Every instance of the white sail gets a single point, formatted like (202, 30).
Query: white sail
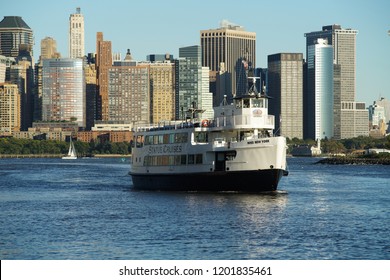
(72, 151)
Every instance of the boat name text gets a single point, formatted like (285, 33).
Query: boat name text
(165, 149)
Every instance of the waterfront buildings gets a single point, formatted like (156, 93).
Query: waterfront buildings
(229, 45)
(10, 119)
(318, 99)
(350, 120)
(285, 86)
(63, 90)
(379, 114)
(175, 86)
(385, 103)
(14, 32)
(192, 88)
(76, 35)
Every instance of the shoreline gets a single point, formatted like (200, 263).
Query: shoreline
(61, 155)
(356, 161)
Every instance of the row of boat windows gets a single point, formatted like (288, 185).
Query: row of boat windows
(171, 138)
(173, 160)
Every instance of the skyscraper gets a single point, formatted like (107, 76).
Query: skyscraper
(191, 93)
(22, 74)
(103, 63)
(349, 120)
(14, 32)
(162, 91)
(76, 35)
(318, 100)
(63, 90)
(128, 93)
(48, 48)
(91, 93)
(228, 44)
(9, 109)
(285, 85)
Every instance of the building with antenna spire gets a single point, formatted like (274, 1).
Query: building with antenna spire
(76, 35)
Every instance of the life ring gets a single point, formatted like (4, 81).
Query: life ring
(205, 123)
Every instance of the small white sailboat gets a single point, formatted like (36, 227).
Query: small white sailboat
(72, 151)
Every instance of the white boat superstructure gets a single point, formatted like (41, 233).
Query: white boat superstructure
(235, 151)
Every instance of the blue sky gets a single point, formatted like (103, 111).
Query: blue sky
(156, 27)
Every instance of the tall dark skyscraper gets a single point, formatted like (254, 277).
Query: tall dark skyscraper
(285, 85)
(14, 32)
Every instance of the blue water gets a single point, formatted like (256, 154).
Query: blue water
(85, 209)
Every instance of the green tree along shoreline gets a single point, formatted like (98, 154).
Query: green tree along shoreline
(14, 146)
(344, 146)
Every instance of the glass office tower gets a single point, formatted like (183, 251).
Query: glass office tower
(350, 117)
(63, 90)
(320, 90)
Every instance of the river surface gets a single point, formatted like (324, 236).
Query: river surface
(86, 209)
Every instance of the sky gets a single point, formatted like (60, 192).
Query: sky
(159, 27)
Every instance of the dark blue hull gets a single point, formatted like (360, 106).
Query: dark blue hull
(238, 181)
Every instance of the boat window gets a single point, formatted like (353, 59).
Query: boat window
(177, 160)
(161, 139)
(246, 103)
(165, 160)
(238, 103)
(154, 160)
(191, 159)
(195, 159)
(146, 161)
(140, 141)
(181, 137)
(171, 138)
(155, 139)
(257, 103)
(149, 140)
(198, 159)
(171, 160)
(201, 137)
(166, 138)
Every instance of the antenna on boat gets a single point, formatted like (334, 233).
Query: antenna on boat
(224, 101)
(193, 110)
(253, 89)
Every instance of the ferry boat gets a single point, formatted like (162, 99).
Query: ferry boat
(235, 151)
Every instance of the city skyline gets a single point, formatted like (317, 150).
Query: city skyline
(163, 27)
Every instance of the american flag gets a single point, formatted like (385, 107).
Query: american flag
(245, 63)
